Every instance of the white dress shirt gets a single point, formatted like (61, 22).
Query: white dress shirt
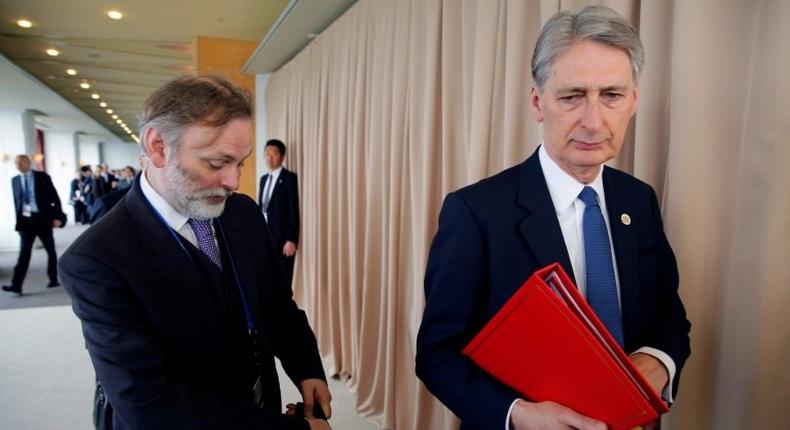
(564, 191)
(30, 189)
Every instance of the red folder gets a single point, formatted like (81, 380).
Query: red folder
(548, 344)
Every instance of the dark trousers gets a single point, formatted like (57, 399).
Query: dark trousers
(80, 213)
(288, 265)
(30, 228)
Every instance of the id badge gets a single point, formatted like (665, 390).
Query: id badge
(26, 211)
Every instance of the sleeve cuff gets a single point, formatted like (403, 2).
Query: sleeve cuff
(509, 411)
(667, 361)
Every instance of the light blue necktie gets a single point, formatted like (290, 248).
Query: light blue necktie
(205, 237)
(601, 287)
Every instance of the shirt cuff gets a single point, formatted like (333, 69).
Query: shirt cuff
(667, 361)
(509, 411)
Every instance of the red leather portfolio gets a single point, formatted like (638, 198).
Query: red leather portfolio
(548, 344)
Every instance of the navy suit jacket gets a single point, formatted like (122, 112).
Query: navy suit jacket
(164, 348)
(492, 236)
(47, 199)
(283, 213)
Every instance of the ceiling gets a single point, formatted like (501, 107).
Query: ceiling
(124, 60)
(300, 22)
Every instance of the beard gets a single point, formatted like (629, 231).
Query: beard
(189, 198)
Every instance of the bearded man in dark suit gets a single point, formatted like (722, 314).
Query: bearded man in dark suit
(183, 320)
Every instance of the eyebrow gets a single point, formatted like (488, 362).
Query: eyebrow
(566, 90)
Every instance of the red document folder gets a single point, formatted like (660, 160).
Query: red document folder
(548, 344)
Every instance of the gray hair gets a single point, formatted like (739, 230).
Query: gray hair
(597, 23)
(207, 100)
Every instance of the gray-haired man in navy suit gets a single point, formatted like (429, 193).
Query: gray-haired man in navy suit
(560, 205)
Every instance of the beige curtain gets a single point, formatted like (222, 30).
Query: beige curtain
(401, 101)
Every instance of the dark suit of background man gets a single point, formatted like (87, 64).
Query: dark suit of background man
(184, 319)
(553, 208)
(38, 210)
(278, 198)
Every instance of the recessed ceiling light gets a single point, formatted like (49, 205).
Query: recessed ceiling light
(53, 52)
(114, 116)
(114, 14)
(24, 23)
(95, 96)
(71, 72)
(109, 111)
(85, 85)
(103, 104)
(118, 121)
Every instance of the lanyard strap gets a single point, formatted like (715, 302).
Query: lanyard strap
(247, 311)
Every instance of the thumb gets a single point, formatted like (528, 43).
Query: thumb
(308, 396)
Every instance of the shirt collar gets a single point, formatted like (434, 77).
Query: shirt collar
(563, 188)
(276, 172)
(172, 217)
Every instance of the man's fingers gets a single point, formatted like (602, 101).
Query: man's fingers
(326, 407)
(582, 422)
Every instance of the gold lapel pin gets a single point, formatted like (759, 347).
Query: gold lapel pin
(626, 219)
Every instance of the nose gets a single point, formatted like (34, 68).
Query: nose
(591, 116)
(229, 178)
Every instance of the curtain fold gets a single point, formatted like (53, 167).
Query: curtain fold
(401, 101)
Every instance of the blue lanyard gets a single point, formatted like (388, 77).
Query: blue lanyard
(247, 312)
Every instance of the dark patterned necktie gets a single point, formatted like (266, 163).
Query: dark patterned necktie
(205, 237)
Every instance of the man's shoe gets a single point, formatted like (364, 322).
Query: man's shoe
(53, 284)
(12, 289)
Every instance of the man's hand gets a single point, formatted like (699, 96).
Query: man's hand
(289, 249)
(56, 223)
(315, 390)
(550, 416)
(652, 369)
(318, 424)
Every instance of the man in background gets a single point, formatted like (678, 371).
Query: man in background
(560, 205)
(278, 198)
(38, 211)
(184, 320)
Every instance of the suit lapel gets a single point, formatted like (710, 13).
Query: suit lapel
(625, 243)
(540, 227)
(280, 182)
(168, 260)
(236, 240)
(17, 186)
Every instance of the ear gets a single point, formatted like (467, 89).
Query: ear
(536, 104)
(636, 101)
(155, 147)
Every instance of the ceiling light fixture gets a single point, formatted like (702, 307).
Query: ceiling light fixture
(85, 85)
(103, 104)
(53, 52)
(24, 23)
(114, 14)
(95, 96)
(118, 121)
(113, 116)
(71, 72)
(109, 111)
